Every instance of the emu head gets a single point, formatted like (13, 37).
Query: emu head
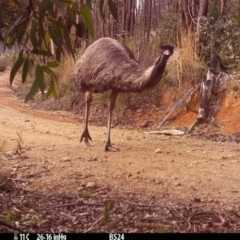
(167, 50)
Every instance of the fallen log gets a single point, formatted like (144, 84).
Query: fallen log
(178, 104)
(210, 86)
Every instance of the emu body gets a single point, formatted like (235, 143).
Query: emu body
(110, 65)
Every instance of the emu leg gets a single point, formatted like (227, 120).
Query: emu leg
(108, 146)
(85, 133)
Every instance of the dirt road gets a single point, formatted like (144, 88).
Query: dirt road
(184, 167)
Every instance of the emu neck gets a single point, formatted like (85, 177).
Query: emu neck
(157, 71)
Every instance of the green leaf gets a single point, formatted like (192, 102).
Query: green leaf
(74, 7)
(44, 5)
(33, 90)
(87, 16)
(15, 24)
(16, 66)
(66, 36)
(21, 28)
(40, 77)
(60, 5)
(47, 38)
(53, 64)
(71, 20)
(50, 72)
(113, 9)
(53, 35)
(52, 90)
(51, 11)
(33, 35)
(27, 66)
(59, 38)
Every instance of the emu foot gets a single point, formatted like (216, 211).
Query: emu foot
(86, 136)
(109, 148)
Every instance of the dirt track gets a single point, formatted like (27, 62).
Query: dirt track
(184, 168)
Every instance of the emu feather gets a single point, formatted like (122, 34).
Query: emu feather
(110, 65)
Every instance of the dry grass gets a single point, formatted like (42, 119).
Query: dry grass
(233, 84)
(185, 67)
(64, 75)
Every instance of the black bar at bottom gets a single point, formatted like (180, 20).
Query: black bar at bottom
(110, 236)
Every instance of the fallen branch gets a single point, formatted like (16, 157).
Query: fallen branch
(167, 132)
(177, 105)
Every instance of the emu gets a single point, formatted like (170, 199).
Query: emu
(110, 65)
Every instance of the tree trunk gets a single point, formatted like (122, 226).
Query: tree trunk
(202, 17)
(133, 10)
(124, 3)
(149, 19)
(202, 13)
(186, 19)
(207, 86)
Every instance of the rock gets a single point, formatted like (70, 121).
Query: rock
(146, 124)
(158, 181)
(91, 185)
(49, 149)
(80, 188)
(66, 159)
(229, 209)
(177, 184)
(94, 159)
(158, 150)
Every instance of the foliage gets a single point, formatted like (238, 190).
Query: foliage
(34, 25)
(222, 33)
(225, 34)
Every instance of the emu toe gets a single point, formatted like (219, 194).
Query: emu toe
(109, 148)
(86, 136)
